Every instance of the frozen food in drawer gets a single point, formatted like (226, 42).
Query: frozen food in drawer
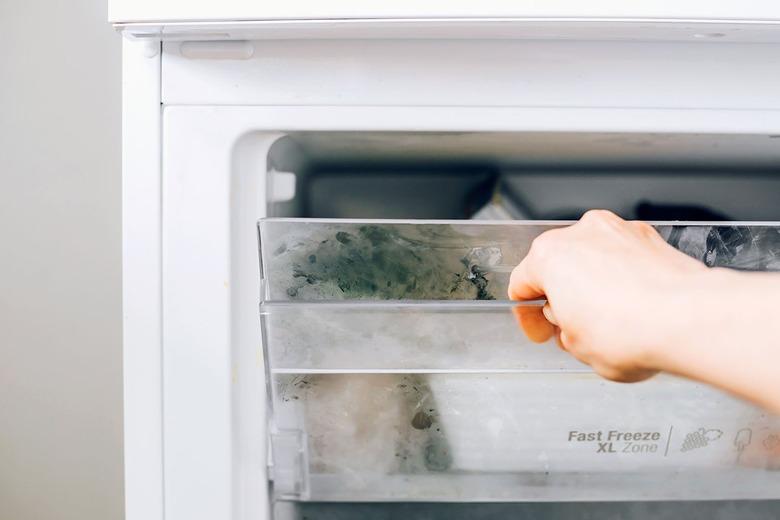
(397, 371)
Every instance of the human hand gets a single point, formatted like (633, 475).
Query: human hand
(609, 285)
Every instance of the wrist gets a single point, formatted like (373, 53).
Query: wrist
(689, 315)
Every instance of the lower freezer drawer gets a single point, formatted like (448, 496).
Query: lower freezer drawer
(377, 398)
(500, 437)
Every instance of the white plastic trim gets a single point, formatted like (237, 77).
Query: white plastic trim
(142, 282)
(202, 10)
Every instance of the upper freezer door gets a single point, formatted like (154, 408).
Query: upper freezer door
(750, 20)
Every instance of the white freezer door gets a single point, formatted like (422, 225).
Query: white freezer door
(128, 11)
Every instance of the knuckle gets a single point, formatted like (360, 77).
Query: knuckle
(568, 339)
(598, 216)
(614, 371)
(541, 246)
(617, 367)
(615, 375)
(645, 229)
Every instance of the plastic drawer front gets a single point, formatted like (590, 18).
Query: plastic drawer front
(397, 371)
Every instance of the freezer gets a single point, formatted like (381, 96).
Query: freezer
(260, 386)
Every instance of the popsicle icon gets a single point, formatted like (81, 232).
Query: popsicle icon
(743, 438)
(741, 441)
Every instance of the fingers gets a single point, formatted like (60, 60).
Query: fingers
(548, 313)
(533, 322)
(570, 267)
(623, 375)
(522, 285)
(559, 339)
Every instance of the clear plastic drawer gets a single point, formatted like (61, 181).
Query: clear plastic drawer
(397, 371)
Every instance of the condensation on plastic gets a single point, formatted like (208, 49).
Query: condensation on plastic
(405, 336)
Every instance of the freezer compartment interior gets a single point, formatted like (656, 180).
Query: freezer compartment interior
(548, 175)
(421, 386)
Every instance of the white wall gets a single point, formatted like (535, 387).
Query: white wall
(60, 262)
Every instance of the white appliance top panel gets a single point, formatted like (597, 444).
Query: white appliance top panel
(234, 10)
(585, 29)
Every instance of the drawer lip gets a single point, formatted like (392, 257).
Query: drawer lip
(465, 222)
(421, 305)
(444, 254)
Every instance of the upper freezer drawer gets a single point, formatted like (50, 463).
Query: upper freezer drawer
(397, 371)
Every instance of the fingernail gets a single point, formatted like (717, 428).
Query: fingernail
(548, 314)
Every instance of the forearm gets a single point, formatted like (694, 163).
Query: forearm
(725, 331)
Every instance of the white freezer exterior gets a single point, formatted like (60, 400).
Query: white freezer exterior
(177, 11)
(200, 117)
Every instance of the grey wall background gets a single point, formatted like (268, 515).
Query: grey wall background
(60, 262)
